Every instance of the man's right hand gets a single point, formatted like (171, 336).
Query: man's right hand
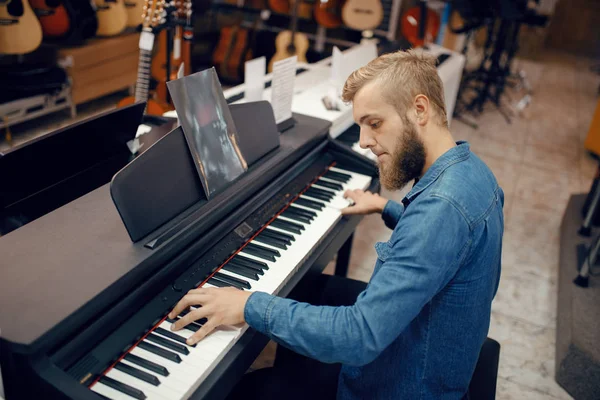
(364, 202)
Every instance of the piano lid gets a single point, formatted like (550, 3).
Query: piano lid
(62, 261)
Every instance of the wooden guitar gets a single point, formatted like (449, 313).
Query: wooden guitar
(304, 9)
(411, 25)
(112, 17)
(151, 18)
(328, 13)
(20, 30)
(135, 10)
(290, 43)
(362, 15)
(53, 17)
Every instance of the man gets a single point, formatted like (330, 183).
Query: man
(415, 331)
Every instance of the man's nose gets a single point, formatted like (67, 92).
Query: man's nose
(366, 140)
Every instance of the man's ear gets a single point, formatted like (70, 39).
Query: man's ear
(422, 110)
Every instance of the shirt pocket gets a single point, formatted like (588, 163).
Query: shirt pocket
(383, 250)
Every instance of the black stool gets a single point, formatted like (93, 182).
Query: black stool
(485, 376)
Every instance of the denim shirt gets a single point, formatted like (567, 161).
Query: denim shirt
(416, 331)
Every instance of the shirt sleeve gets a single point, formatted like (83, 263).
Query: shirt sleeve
(391, 213)
(424, 253)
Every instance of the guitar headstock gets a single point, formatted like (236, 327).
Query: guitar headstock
(152, 14)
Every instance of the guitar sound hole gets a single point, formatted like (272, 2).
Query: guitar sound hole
(15, 8)
(52, 3)
(363, 11)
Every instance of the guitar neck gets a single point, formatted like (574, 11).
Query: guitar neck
(142, 85)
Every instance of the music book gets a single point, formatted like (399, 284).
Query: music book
(209, 129)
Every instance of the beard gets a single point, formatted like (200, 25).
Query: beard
(407, 162)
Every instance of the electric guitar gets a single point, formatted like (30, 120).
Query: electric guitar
(20, 30)
(135, 10)
(53, 17)
(152, 18)
(112, 17)
(362, 15)
(290, 43)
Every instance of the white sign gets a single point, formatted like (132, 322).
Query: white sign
(284, 75)
(254, 79)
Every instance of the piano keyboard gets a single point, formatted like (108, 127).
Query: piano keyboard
(351, 137)
(161, 365)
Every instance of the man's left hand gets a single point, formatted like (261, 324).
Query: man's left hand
(220, 306)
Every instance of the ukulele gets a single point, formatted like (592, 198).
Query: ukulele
(328, 13)
(290, 43)
(112, 17)
(151, 19)
(20, 30)
(135, 10)
(362, 15)
(53, 17)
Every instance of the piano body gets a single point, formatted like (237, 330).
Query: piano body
(84, 307)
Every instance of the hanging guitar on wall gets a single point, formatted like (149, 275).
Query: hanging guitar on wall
(112, 17)
(53, 17)
(290, 43)
(152, 18)
(20, 30)
(362, 15)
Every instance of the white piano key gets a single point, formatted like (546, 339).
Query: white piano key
(109, 392)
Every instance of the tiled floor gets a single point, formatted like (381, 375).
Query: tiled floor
(539, 161)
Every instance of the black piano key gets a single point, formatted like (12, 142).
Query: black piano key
(278, 235)
(123, 388)
(218, 283)
(241, 263)
(169, 344)
(172, 335)
(242, 271)
(288, 226)
(338, 176)
(324, 192)
(201, 321)
(261, 252)
(330, 185)
(296, 217)
(193, 326)
(318, 196)
(315, 205)
(138, 373)
(270, 241)
(303, 211)
(250, 262)
(239, 283)
(149, 365)
(159, 351)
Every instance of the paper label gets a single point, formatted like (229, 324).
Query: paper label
(284, 75)
(146, 40)
(336, 69)
(254, 79)
(177, 48)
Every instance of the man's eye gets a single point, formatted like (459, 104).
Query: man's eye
(376, 125)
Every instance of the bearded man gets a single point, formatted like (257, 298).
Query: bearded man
(416, 329)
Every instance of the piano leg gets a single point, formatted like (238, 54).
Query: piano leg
(343, 257)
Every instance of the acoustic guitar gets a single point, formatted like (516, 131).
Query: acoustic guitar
(135, 10)
(53, 17)
(304, 9)
(328, 13)
(362, 15)
(412, 25)
(152, 18)
(112, 17)
(290, 43)
(20, 30)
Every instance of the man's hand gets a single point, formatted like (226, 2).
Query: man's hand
(220, 306)
(364, 202)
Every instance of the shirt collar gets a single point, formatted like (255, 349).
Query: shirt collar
(454, 155)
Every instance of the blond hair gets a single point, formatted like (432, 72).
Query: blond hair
(403, 75)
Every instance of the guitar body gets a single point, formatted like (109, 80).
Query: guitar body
(362, 15)
(411, 22)
(53, 17)
(328, 13)
(134, 10)
(153, 107)
(283, 51)
(112, 17)
(20, 30)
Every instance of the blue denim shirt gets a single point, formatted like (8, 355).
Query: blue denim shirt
(417, 329)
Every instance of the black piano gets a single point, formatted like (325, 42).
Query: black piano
(84, 306)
